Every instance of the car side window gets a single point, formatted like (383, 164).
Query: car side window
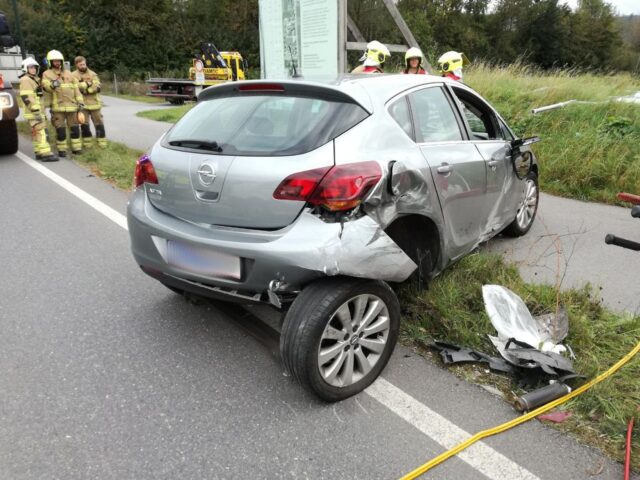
(506, 134)
(399, 111)
(435, 119)
(481, 120)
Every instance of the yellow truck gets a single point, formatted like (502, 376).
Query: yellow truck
(209, 67)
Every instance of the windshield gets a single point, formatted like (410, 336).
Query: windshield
(261, 125)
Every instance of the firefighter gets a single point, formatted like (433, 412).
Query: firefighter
(413, 61)
(89, 85)
(450, 65)
(66, 102)
(30, 93)
(373, 59)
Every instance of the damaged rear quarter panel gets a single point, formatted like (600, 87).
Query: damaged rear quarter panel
(358, 248)
(409, 190)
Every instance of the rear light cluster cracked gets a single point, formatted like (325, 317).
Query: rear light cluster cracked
(337, 188)
(144, 172)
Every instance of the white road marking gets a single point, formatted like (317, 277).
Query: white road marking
(90, 200)
(479, 456)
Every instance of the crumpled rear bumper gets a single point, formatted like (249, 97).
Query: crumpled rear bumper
(307, 249)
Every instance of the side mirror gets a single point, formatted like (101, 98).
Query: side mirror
(522, 161)
(524, 142)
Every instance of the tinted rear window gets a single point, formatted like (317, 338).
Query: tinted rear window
(265, 125)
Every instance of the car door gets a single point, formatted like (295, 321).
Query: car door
(489, 137)
(457, 168)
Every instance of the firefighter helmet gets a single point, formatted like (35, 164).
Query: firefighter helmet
(452, 61)
(413, 52)
(29, 62)
(54, 55)
(376, 53)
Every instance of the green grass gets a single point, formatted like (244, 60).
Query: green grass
(171, 114)
(452, 310)
(588, 151)
(116, 163)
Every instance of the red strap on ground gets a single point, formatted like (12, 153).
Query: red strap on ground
(629, 197)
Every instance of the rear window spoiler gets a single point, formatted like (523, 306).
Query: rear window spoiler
(286, 88)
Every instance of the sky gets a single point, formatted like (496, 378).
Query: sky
(624, 7)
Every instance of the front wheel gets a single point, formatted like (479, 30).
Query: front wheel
(527, 207)
(338, 335)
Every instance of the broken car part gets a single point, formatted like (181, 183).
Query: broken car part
(454, 354)
(542, 396)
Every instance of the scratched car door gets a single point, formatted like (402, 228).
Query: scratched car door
(457, 168)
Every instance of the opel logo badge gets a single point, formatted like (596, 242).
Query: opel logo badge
(206, 174)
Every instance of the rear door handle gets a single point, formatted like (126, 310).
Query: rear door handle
(444, 169)
(493, 164)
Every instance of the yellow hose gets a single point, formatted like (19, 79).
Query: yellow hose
(517, 421)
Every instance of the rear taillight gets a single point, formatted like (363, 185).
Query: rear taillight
(1, 81)
(338, 188)
(301, 185)
(144, 172)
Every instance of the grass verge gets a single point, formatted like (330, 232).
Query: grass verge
(116, 163)
(171, 114)
(588, 150)
(453, 310)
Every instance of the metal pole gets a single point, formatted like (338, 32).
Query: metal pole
(16, 15)
(115, 84)
(342, 36)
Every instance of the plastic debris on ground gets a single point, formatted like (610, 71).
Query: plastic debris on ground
(531, 347)
(524, 341)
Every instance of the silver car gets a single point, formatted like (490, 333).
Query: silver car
(313, 197)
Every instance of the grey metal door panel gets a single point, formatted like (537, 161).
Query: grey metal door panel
(500, 184)
(234, 191)
(460, 177)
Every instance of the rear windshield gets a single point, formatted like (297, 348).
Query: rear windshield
(261, 125)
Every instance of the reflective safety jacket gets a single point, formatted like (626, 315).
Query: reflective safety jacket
(30, 93)
(66, 97)
(453, 76)
(89, 86)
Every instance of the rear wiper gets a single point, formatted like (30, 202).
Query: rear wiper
(197, 144)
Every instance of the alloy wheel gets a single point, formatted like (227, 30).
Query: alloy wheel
(528, 205)
(353, 340)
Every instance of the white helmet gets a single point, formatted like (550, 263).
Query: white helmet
(29, 62)
(413, 52)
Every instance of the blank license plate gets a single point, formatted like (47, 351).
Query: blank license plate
(203, 261)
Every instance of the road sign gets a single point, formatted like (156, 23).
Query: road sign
(299, 38)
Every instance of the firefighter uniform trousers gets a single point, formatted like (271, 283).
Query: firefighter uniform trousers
(89, 85)
(65, 103)
(30, 92)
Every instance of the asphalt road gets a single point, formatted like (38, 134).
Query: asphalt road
(566, 244)
(122, 124)
(106, 374)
